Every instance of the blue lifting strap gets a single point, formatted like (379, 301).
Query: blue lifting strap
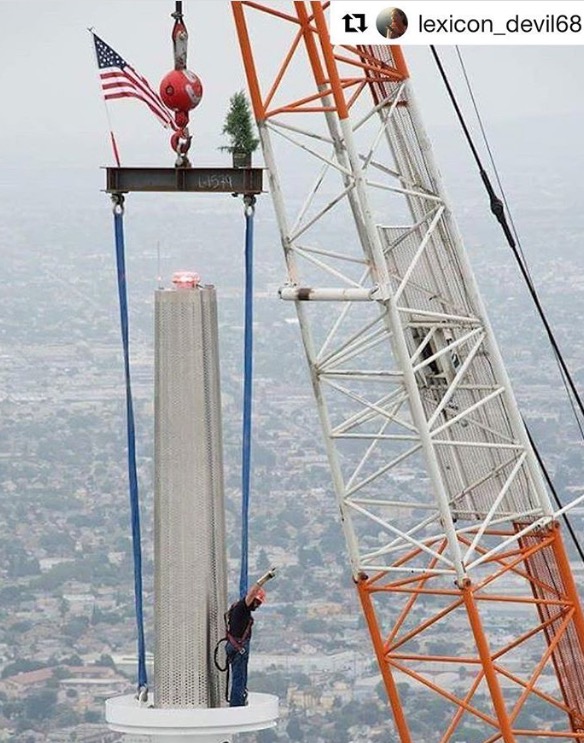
(249, 202)
(131, 437)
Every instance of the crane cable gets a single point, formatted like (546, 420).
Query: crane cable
(551, 486)
(567, 380)
(249, 210)
(118, 209)
(498, 210)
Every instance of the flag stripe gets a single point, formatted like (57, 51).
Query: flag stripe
(132, 94)
(120, 80)
(135, 80)
(127, 90)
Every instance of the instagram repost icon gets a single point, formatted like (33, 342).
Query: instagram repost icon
(392, 23)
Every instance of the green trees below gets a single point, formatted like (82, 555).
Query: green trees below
(22, 665)
(19, 564)
(92, 568)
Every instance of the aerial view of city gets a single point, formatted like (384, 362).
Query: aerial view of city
(67, 605)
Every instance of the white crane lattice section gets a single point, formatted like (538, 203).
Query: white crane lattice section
(421, 427)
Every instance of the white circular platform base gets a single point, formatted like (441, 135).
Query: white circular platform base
(127, 715)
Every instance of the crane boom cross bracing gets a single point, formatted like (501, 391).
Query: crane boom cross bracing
(443, 505)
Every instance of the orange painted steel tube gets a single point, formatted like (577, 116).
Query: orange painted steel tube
(572, 595)
(248, 61)
(269, 11)
(529, 686)
(329, 61)
(521, 600)
(435, 658)
(311, 46)
(488, 666)
(428, 623)
(409, 606)
(569, 583)
(400, 61)
(388, 680)
(283, 68)
(385, 73)
(526, 636)
(448, 695)
(460, 711)
(537, 692)
(547, 734)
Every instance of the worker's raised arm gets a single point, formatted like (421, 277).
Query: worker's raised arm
(256, 591)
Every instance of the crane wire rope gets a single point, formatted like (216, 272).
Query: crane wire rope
(249, 210)
(118, 209)
(521, 259)
(511, 235)
(498, 210)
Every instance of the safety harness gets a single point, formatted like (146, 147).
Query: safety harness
(237, 642)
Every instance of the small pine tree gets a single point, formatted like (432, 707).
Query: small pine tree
(239, 126)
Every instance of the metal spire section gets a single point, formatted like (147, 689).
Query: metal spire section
(190, 586)
(444, 508)
(190, 578)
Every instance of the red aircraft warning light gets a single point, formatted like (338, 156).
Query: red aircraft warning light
(185, 279)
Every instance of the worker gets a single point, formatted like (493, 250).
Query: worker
(239, 624)
(398, 24)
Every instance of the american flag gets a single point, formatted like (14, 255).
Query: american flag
(120, 80)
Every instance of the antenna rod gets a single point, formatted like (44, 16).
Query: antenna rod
(159, 277)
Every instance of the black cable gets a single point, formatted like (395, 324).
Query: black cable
(556, 496)
(513, 227)
(499, 212)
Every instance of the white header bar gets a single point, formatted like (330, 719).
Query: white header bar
(484, 22)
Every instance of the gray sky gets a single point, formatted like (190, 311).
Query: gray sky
(53, 110)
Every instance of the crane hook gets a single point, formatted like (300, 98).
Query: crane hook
(180, 90)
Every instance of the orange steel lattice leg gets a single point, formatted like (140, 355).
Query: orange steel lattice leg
(556, 622)
(363, 67)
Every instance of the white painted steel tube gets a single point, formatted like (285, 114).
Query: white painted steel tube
(310, 294)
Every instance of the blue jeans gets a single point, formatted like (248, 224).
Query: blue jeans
(238, 672)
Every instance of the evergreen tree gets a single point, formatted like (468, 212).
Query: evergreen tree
(238, 126)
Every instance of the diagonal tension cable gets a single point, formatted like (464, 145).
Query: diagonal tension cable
(497, 208)
(513, 227)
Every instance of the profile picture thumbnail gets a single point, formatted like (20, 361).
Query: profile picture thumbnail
(392, 23)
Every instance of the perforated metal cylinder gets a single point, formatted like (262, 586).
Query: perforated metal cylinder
(189, 521)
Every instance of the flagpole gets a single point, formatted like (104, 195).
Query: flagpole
(112, 136)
